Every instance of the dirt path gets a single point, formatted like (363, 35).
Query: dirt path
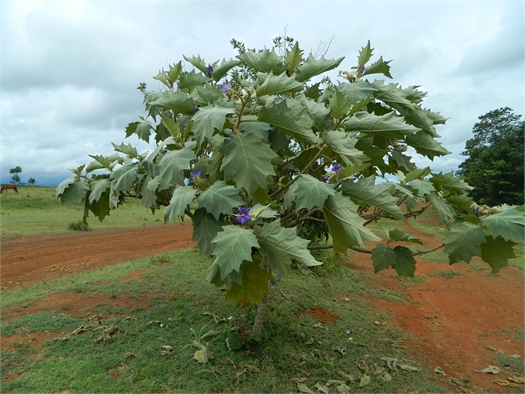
(31, 260)
(458, 324)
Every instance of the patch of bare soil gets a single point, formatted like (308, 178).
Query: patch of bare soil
(458, 324)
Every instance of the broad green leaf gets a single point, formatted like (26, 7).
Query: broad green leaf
(94, 165)
(205, 228)
(382, 257)
(125, 176)
(171, 125)
(207, 120)
(449, 182)
(149, 198)
(418, 173)
(233, 246)
(143, 130)
(293, 57)
(264, 61)
(421, 118)
(339, 105)
(389, 125)
(319, 114)
(278, 84)
(463, 242)
(509, 224)
(353, 169)
(259, 211)
(365, 191)
(128, 150)
(173, 163)
(71, 193)
(176, 101)
(364, 55)
(220, 199)
(397, 235)
(426, 145)
(312, 67)
(399, 160)
(497, 252)
(182, 197)
(259, 128)
(311, 192)
(192, 79)
(174, 72)
(423, 187)
(197, 62)
(356, 107)
(293, 120)
(97, 188)
(392, 95)
(344, 146)
(162, 76)
(247, 161)
(102, 160)
(220, 71)
(379, 67)
(254, 285)
(376, 154)
(281, 245)
(101, 206)
(207, 94)
(357, 92)
(405, 264)
(345, 225)
(461, 201)
(446, 213)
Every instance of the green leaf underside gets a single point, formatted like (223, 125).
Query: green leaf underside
(312, 67)
(265, 61)
(173, 163)
(463, 242)
(446, 213)
(207, 120)
(182, 197)
(389, 125)
(71, 192)
(293, 120)
(254, 284)
(365, 191)
(233, 246)
(125, 176)
(278, 84)
(281, 245)
(220, 199)
(400, 258)
(508, 224)
(247, 161)
(311, 192)
(97, 188)
(345, 225)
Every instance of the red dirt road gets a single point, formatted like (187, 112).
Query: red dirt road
(458, 324)
(31, 260)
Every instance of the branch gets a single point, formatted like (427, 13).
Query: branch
(319, 247)
(428, 251)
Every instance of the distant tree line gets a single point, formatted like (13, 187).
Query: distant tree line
(495, 157)
(15, 177)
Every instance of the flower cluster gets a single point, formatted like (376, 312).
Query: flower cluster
(332, 173)
(225, 87)
(244, 215)
(195, 174)
(209, 69)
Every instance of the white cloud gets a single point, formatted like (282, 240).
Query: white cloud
(70, 69)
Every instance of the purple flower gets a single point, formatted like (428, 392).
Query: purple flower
(336, 169)
(197, 108)
(363, 69)
(194, 174)
(244, 215)
(326, 177)
(165, 151)
(225, 87)
(209, 69)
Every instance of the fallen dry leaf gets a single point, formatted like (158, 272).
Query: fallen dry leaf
(490, 369)
(365, 379)
(343, 389)
(303, 388)
(322, 388)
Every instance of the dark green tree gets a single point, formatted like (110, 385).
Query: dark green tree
(15, 178)
(494, 164)
(31, 181)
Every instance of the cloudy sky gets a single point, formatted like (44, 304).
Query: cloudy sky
(70, 69)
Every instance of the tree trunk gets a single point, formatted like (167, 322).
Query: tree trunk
(263, 306)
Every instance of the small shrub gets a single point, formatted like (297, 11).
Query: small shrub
(78, 226)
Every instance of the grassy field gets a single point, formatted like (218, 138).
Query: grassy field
(36, 211)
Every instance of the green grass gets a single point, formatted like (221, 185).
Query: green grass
(36, 211)
(295, 345)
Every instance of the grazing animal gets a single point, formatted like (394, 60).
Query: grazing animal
(9, 186)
